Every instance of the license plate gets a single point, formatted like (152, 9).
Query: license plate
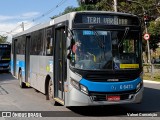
(113, 98)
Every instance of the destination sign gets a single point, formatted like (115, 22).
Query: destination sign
(106, 19)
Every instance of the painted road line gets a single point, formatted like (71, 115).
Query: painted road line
(150, 81)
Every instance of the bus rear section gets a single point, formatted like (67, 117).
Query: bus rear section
(5, 51)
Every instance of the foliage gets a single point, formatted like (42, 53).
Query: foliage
(67, 10)
(105, 5)
(3, 39)
(154, 30)
(137, 7)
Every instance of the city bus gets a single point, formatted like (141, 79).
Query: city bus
(82, 58)
(5, 57)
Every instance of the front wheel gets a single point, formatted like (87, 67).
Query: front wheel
(21, 83)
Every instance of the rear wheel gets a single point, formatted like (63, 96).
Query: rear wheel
(21, 83)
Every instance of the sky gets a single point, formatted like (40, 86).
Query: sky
(31, 12)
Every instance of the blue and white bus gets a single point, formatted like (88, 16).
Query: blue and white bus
(82, 58)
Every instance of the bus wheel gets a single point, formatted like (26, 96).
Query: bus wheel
(21, 84)
(50, 93)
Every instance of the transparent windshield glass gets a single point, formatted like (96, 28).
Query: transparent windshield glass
(4, 53)
(96, 50)
(125, 50)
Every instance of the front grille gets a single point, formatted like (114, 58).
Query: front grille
(102, 96)
(106, 77)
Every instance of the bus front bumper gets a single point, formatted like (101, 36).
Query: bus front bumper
(77, 98)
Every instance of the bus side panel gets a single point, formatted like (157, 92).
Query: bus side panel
(40, 67)
(46, 68)
(34, 71)
(12, 64)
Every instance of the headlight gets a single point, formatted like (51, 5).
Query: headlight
(74, 83)
(141, 75)
(84, 89)
(139, 86)
(78, 86)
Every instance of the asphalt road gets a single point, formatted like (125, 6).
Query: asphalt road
(13, 98)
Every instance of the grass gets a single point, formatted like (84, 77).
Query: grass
(154, 77)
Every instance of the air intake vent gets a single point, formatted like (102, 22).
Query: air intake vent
(111, 77)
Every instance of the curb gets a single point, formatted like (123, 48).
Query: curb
(150, 81)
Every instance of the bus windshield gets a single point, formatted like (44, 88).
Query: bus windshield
(4, 53)
(100, 49)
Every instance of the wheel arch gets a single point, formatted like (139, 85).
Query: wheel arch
(46, 83)
(19, 69)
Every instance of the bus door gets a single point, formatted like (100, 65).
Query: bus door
(60, 62)
(14, 56)
(27, 58)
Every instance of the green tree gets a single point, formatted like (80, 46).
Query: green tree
(67, 10)
(83, 7)
(154, 30)
(3, 39)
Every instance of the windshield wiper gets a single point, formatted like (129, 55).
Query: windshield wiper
(72, 42)
(124, 36)
(99, 40)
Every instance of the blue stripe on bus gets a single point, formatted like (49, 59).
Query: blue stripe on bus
(110, 86)
(11, 66)
(21, 64)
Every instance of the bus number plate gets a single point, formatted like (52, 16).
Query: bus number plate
(113, 98)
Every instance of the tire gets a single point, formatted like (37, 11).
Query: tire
(21, 84)
(50, 93)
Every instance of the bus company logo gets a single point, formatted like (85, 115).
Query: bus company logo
(113, 87)
(112, 80)
(6, 114)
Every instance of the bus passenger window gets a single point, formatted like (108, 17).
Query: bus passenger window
(49, 46)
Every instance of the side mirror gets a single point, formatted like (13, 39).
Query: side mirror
(71, 54)
(70, 43)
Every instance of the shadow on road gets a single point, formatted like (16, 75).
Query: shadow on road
(92, 111)
(150, 104)
(6, 76)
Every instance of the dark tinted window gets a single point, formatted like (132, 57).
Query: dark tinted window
(20, 45)
(49, 42)
(37, 43)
